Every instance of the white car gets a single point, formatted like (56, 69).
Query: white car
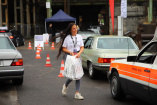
(11, 62)
(101, 50)
(136, 75)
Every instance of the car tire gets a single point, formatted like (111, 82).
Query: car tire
(18, 81)
(115, 86)
(23, 42)
(92, 71)
(17, 43)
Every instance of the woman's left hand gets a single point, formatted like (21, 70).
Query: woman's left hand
(78, 55)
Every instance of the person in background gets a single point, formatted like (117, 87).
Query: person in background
(138, 38)
(51, 32)
(72, 44)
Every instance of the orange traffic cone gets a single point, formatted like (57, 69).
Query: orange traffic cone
(52, 47)
(61, 69)
(37, 54)
(48, 64)
(39, 48)
(46, 41)
(29, 46)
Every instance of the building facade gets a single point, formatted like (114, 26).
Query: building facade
(28, 16)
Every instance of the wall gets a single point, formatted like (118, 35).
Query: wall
(136, 14)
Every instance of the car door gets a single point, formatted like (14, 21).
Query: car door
(87, 49)
(139, 72)
(153, 82)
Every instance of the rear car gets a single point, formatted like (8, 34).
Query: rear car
(11, 61)
(136, 75)
(15, 36)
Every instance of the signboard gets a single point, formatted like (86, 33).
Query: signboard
(38, 40)
(124, 8)
(47, 4)
(45, 37)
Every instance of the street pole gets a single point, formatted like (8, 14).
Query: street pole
(49, 10)
(65, 6)
(150, 13)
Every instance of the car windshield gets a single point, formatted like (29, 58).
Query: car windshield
(5, 43)
(115, 43)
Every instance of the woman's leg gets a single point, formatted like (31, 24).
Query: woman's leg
(77, 94)
(67, 82)
(78, 85)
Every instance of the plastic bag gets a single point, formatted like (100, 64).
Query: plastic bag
(73, 68)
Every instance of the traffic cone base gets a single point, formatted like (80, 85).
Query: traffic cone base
(37, 57)
(48, 65)
(60, 75)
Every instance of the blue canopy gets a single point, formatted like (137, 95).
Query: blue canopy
(59, 17)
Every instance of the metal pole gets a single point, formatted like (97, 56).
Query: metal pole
(21, 16)
(15, 15)
(49, 10)
(34, 14)
(150, 10)
(28, 19)
(0, 12)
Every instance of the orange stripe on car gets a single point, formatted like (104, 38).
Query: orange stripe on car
(135, 72)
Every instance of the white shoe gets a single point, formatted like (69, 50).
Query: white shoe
(78, 96)
(64, 90)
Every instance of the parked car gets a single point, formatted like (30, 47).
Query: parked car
(96, 29)
(136, 75)
(100, 51)
(85, 34)
(15, 36)
(11, 62)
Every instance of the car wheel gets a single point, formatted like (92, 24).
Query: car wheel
(17, 43)
(92, 71)
(115, 86)
(18, 81)
(23, 42)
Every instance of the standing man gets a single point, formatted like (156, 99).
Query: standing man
(51, 33)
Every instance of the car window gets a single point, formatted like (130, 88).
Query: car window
(5, 43)
(149, 54)
(116, 43)
(88, 43)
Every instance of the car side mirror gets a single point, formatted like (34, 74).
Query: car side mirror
(131, 58)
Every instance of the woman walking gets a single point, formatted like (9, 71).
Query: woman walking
(72, 44)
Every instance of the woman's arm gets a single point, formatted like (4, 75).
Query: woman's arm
(67, 51)
(79, 53)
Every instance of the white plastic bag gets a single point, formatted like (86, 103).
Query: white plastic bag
(73, 68)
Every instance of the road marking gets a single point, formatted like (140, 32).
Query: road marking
(13, 96)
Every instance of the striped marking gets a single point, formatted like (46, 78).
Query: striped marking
(137, 74)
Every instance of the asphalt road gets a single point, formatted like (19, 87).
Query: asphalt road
(42, 86)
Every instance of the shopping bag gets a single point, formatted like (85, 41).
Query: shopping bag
(73, 68)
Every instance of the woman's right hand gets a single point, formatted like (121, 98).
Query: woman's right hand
(71, 53)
